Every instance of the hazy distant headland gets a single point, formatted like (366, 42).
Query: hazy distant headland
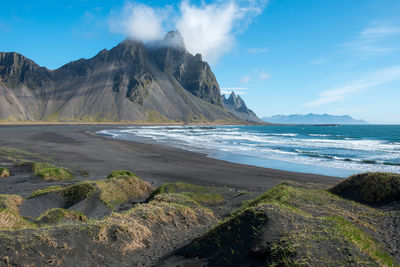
(312, 119)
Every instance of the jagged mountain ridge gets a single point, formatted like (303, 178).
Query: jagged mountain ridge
(130, 82)
(238, 107)
(312, 119)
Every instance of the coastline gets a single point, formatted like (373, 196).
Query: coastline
(138, 123)
(214, 206)
(78, 148)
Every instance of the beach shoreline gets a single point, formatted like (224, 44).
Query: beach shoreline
(78, 147)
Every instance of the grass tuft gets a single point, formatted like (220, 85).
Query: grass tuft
(10, 220)
(47, 190)
(49, 172)
(9, 217)
(299, 220)
(120, 187)
(363, 241)
(77, 192)
(198, 194)
(57, 215)
(4, 172)
(11, 202)
(121, 173)
(370, 188)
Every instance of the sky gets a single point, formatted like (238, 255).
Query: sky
(339, 57)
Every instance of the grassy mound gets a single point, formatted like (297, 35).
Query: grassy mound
(11, 202)
(198, 194)
(55, 216)
(118, 188)
(120, 173)
(78, 192)
(294, 225)
(121, 188)
(9, 217)
(4, 173)
(49, 172)
(370, 188)
(50, 189)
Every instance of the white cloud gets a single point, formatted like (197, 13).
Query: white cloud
(372, 40)
(344, 92)
(380, 31)
(208, 29)
(264, 76)
(245, 79)
(138, 22)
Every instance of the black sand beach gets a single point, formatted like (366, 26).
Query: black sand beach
(78, 148)
(182, 208)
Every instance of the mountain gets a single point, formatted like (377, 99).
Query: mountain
(160, 81)
(312, 119)
(237, 106)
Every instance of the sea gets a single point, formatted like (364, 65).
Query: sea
(334, 150)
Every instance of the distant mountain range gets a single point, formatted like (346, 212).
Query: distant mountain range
(157, 82)
(312, 119)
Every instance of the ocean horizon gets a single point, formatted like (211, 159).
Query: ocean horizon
(338, 151)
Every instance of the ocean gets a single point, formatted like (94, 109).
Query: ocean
(328, 150)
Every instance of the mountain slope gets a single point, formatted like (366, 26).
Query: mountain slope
(312, 119)
(130, 82)
(237, 106)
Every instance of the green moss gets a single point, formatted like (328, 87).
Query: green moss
(50, 189)
(205, 198)
(49, 172)
(303, 218)
(4, 172)
(286, 196)
(359, 238)
(57, 215)
(198, 194)
(78, 192)
(370, 188)
(179, 187)
(121, 173)
(18, 155)
(175, 198)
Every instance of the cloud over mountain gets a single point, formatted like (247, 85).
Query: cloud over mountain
(208, 29)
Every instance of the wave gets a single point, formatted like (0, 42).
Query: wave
(321, 135)
(317, 149)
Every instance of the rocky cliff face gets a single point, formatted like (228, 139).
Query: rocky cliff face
(237, 106)
(130, 82)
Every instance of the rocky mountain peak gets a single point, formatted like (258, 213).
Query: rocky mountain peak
(15, 68)
(237, 106)
(234, 100)
(174, 39)
(132, 81)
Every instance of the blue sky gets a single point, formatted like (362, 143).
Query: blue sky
(285, 56)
